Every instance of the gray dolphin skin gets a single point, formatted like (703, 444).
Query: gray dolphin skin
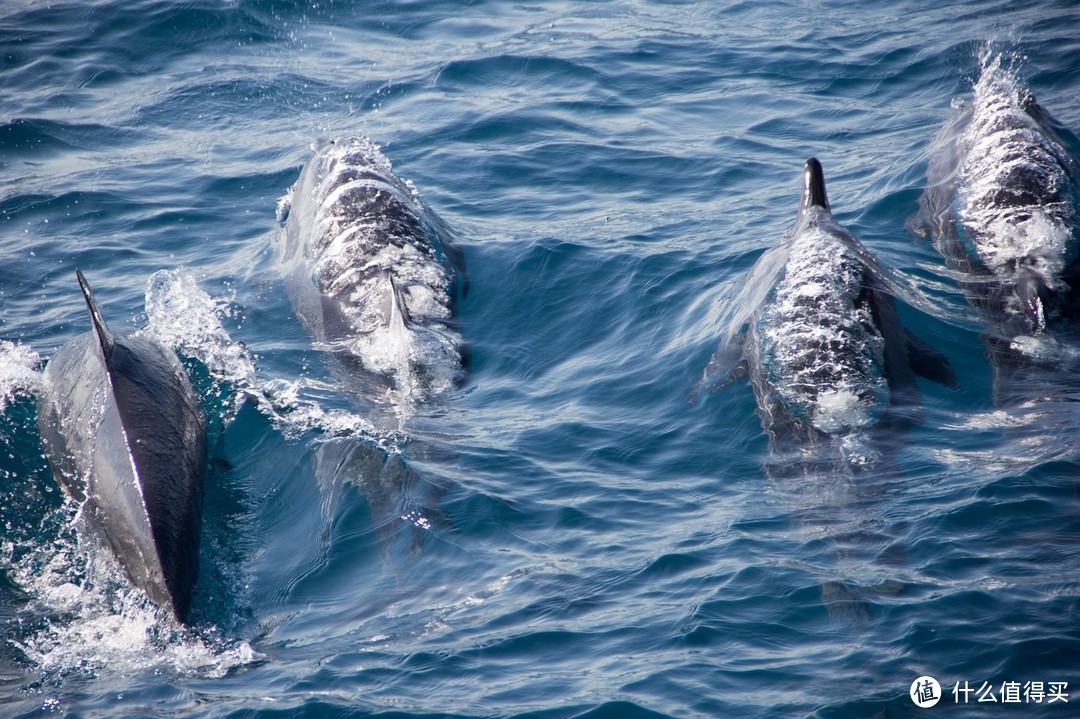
(823, 345)
(1001, 205)
(371, 275)
(126, 435)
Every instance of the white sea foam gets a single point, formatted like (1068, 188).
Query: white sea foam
(96, 622)
(183, 316)
(20, 371)
(1043, 348)
(295, 407)
(839, 409)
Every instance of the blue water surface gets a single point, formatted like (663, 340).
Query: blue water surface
(578, 531)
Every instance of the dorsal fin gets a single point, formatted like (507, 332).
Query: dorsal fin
(394, 312)
(105, 337)
(813, 187)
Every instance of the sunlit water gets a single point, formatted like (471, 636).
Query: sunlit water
(581, 529)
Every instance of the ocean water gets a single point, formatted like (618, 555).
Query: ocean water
(580, 530)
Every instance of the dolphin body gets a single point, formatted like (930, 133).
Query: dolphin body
(822, 342)
(1001, 206)
(370, 275)
(125, 434)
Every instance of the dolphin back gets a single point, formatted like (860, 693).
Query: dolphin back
(1001, 204)
(371, 273)
(125, 432)
(824, 350)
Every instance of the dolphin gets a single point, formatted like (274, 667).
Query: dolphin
(821, 339)
(1001, 206)
(371, 273)
(125, 434)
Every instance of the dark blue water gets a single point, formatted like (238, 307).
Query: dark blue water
(569, 535)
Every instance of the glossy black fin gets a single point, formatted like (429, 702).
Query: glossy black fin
(813, 187)
(101, 330)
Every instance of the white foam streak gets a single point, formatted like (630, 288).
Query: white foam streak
(295, 413)
(98, 623)
(840, 409)
(20, 371)
(183, 316)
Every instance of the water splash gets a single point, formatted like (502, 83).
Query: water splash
(20, 372)
(89, 620)
(183, 316)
